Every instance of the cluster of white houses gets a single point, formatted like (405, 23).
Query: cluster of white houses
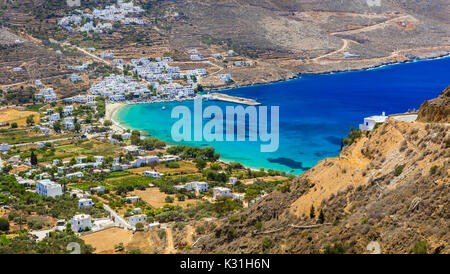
(116, 13)
(48, 95)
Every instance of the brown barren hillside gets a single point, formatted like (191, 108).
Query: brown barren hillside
(391, 187)
(436, 110)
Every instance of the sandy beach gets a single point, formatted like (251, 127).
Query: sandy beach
(110, 110)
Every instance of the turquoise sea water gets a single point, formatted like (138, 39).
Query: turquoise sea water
(316, 111)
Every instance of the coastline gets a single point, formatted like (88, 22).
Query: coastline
(113, 109)
(298, 75)
(110, 111)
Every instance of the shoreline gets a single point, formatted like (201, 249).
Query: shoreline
(110, 111)
(298, 75)
(113, 108)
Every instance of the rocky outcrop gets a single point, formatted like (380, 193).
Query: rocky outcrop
(436, 110)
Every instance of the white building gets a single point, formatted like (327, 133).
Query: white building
(225, 77)
(132, 199)
(196, 186)
(97, 188)
(153, 174)
(370, 122)
(221, 192)
(68, 110)
(5, 147)
(135, 219)
(78, 174)
(170, 158)
(132, 149)
(48, 188)
(85, 203)
(99, 159)
(80, 222)
(238, 196)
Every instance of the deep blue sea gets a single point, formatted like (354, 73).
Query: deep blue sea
(316, 111)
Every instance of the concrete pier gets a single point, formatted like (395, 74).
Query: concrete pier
(231, 99)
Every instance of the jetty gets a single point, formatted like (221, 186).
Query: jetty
(231, 99)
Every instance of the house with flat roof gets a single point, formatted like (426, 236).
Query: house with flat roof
(85, 203)
(221, 192)
(135, 219)
(153, 174)
(48, 188)
(80, 222)
(370, 122)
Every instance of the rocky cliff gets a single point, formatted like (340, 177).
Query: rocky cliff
(436, 110)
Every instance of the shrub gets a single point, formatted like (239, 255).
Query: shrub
(172, 165)
(267, 243)
(161, 234)
(259, 225)
(200, 230)
(398, 170)
(420, 247)
(433, 170)
(4, 224)
(169, 199)
(337, 248)
(139, 226)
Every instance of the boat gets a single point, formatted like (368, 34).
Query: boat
(163, 107)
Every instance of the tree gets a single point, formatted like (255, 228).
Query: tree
(30, 120)
(77, 127)
(33, 159)
(312, 212)
(180, 197)
(139, 226)
(107, 123)
(420, 247)
(119, 247)
(321, 217)
(200, 165)
(57, 126)
(4, 224)
(135, 137)
(169, 199)
(14, 125)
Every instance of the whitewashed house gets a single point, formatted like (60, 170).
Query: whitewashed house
(153, 174)
(197, 186)
(85, 203)
(80, 222)
(48, 188)
(221, 192)
(225, 77)
(238, 196)
(99, 159)
(370, 122)
(97, 189)
(132, 199)
(135, 219)
(78, 174)
(132, 149)
(5, 147)
(67, 110)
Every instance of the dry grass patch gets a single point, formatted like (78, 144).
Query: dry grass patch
(105, 240)
(11, 115)
(157, 199)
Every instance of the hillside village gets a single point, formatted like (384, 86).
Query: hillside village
(108, 179)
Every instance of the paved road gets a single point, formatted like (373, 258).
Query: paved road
(44, 141)
(117, 218)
